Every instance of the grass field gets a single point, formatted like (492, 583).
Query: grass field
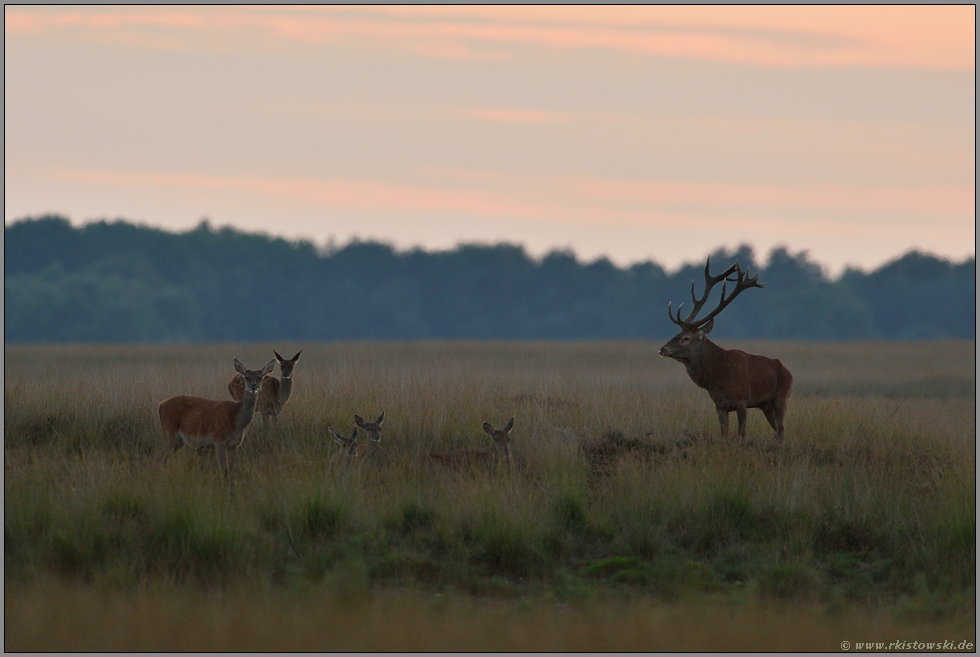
(629, 524)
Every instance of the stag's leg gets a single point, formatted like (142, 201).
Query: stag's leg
(769, 410)
(723, 420)
(742, 412)
(779, 411)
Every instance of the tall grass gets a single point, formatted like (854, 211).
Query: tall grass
(623, 489)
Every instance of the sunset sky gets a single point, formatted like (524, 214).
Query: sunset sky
(636, 133)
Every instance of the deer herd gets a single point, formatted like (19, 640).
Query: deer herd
(735, 381)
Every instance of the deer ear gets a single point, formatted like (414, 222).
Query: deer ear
(334, 434)
(488, 428)
(358, 420)
(510, 425)
(353, 434)
(381, 418)
(268, 368)
(296, 357)
(278, 357)
(706, 329)
(239, 367)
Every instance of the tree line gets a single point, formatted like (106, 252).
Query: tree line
(121, 282)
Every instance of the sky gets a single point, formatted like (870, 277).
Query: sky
(633, 133)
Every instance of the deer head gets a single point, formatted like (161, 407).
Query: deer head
(286, 366)
(348, 445)
(501, 437)
(373, 428)
(253, 378)
(686, 345)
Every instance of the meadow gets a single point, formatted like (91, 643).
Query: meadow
(626, 522)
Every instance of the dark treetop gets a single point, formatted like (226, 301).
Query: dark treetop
(121, 282)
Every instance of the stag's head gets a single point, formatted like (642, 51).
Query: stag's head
(253, 378)
(501, 437)
(686, 345)
(286, 365)
(348, 445)
(373, 429)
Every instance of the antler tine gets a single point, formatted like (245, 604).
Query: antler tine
(709, 283)
(742, 282)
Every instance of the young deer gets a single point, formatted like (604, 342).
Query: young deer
(499, 451)
(375, 453)
(348, 448)
(196, 421)
(274, 393)
(735, 380)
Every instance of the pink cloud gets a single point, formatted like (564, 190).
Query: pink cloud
(515, 115)
(685, 206)
(921, 199)
(775, 37)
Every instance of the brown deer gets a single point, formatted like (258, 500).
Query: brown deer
(348, 448)
(735, 380)
(375, 453)
(274, 393)
(197, 422)
(499, 451)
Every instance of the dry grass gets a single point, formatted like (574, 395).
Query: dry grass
(629, 514)
(52, 616)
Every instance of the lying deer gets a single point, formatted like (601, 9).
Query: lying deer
(197, 422)
(499, 451)
(274, 393)
(348, 447)
(375, 453)
(735, 380)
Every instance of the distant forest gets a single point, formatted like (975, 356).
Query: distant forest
(120, 282)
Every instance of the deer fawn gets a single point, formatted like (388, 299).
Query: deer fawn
(376, 453)
(499, 450)
(196, 422)
(274, 393)
(348, 448)
(735, 380)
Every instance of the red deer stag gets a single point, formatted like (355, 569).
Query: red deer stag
(498, 452)
(735, 380)
(196, 422)
(274, 393)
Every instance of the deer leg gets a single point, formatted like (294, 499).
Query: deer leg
(172, 443)
(769, 410)
(723, 420)
(230, 455)
(779, 412)
(742, 412)
(220, 450)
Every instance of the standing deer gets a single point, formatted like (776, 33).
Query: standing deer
(735, 380)
(499, 450)
(197, 422)
(274, 393)
(376, 453)
(348, 447)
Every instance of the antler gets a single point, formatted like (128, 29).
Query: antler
(741, 280)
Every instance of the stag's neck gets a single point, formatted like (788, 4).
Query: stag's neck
(246, 411)
(705, 363)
